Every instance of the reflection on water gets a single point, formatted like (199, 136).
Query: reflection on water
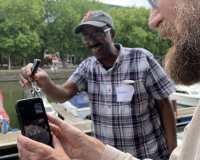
(11, 93)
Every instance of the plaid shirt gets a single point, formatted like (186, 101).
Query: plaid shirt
(135, 126)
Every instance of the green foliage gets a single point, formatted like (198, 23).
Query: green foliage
(61, 18)
(19, 24)
(28, 27)
(132, 30)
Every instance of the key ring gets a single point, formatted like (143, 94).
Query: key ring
(35, 90)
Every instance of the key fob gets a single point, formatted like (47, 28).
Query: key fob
(36, 64)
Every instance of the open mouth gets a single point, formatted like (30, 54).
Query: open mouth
(96, 47)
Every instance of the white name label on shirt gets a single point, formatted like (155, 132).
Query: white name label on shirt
(125, 93)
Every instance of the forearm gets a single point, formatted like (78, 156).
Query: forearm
(56, 92)
(170, 130)
(168, 121)
(94, 149)
(98, 151)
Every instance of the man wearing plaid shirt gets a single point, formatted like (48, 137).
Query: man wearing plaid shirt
(141, 123)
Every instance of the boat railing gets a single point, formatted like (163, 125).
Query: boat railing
(10, 157)
(183, 124)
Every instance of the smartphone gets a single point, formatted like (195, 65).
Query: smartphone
(33, 120)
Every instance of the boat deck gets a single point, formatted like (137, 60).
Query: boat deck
(10, 139)
(186, 112)
(84, 126)
(64, 113)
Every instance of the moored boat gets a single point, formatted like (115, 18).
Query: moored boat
(78, 106)
(187, 95)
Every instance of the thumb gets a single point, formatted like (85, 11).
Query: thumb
(57, 121)
(57, 144)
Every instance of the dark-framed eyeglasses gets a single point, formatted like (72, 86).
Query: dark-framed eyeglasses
(96, 36)
(154, 3)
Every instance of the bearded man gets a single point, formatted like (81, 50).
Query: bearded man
(178, 20)
(182, 63)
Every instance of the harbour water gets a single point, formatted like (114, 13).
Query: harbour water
(11, 93)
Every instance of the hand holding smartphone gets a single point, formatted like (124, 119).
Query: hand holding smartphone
(33, 120)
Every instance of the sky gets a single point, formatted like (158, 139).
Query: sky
(138, 3)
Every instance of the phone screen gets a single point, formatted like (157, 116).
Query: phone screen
(33, 120)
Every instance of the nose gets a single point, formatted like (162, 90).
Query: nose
(92, 41)
(155, 19)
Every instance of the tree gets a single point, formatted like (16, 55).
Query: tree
(132, 30)
(61, 18)
(28, 28)
(19, 24)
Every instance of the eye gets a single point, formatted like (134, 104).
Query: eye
(99, 33)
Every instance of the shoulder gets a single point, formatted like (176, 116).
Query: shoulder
(138, 52)
(88, 62)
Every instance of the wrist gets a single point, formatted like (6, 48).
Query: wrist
(47, 85)
(94, 149)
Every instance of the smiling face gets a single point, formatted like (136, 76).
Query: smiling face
(102, 49)
(180, 21)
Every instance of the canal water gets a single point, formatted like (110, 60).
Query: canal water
(12, 92)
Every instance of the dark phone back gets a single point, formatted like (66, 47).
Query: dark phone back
(33, 120)
(35, 66)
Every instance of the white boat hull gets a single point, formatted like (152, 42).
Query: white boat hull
(49, 109)
(187, 95)
(77, 112)
(186, 100)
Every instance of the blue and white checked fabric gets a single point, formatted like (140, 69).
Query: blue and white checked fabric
(135, 126)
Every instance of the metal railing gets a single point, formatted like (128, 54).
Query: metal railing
(183, 124)
(10, 157)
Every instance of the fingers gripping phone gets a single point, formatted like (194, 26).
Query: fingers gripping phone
(33, 120)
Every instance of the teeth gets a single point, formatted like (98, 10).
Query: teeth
(97, 48)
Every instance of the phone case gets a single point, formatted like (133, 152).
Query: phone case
(36, 112)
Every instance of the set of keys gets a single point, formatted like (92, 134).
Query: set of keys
(35, 90)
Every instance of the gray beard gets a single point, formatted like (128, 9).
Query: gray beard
(182, 62)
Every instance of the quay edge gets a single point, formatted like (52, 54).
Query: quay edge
(13, 75)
